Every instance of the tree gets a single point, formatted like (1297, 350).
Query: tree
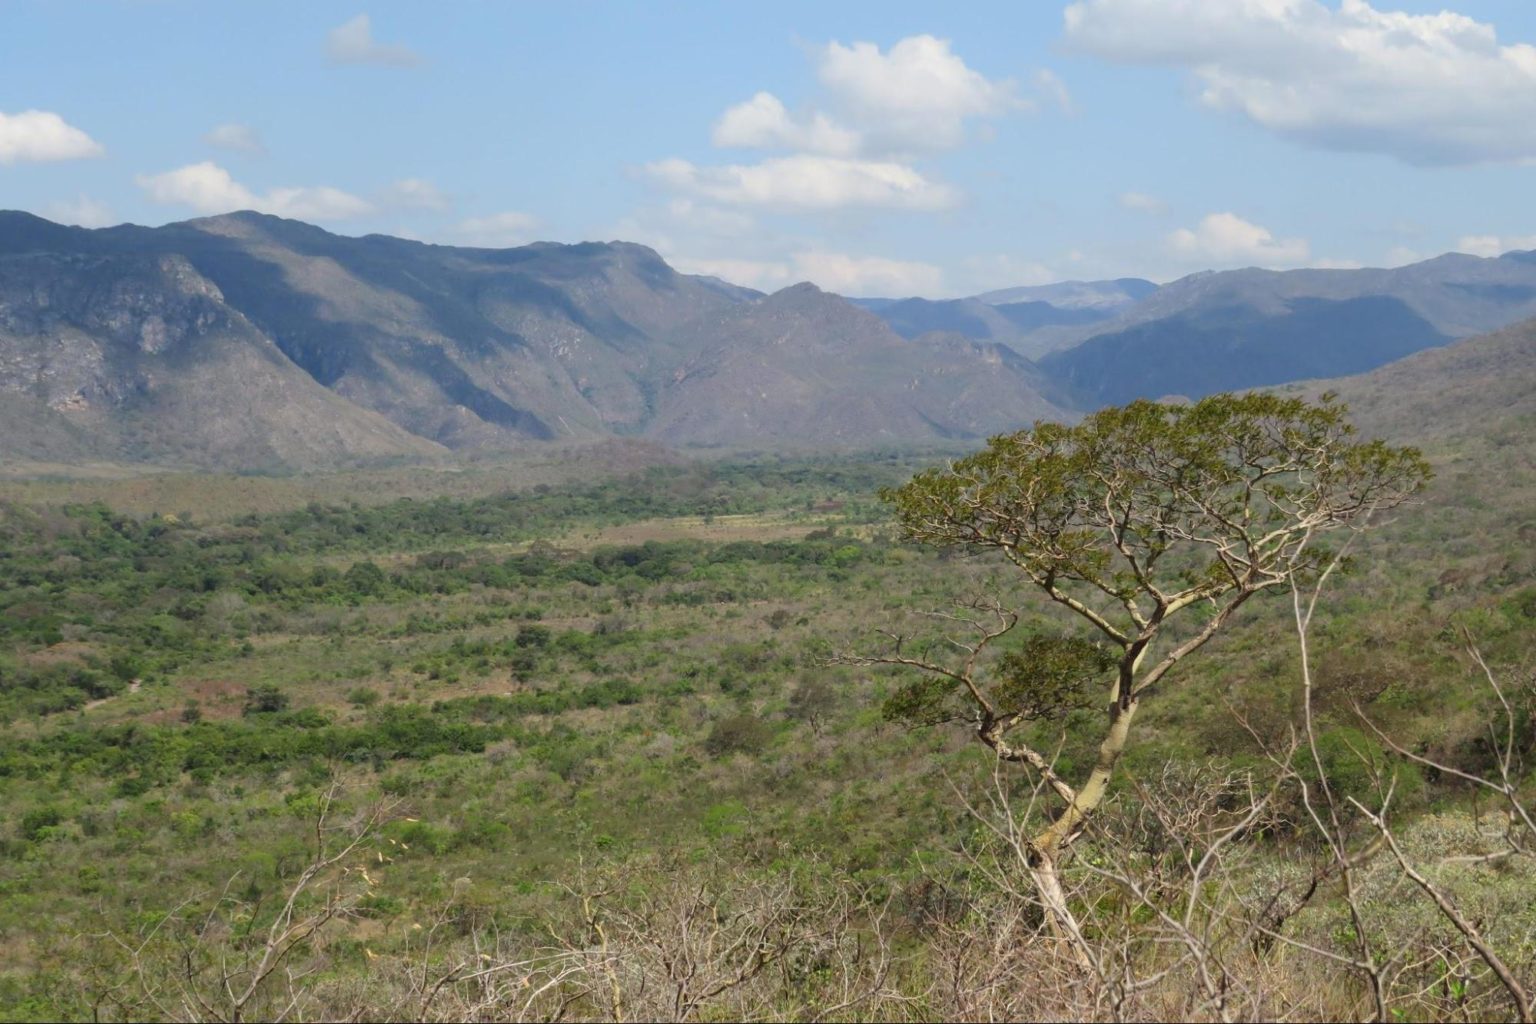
(1135, 518)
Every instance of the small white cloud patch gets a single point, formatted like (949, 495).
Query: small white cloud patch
(352, 42)
(1495, 245)
(82, 211)
(236, 137)
(763, 122)
(414, 194)
(41, 136)
(806, 182)
(209, 189)
(1143, 203)
(497, 230)
(1228, 240)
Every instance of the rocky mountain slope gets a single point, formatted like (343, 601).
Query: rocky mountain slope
(747, 380)
(247, 341)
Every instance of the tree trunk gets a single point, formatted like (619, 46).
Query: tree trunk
(1061, 832)
(1058, 915)
(1047, 847)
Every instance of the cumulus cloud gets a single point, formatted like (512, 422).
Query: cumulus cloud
(497, 230)
(208, 188)
(916, 96)
(763, 122)
(1495, 245)
(1225, 239)
(806, 182)
(82, 211)
(1143, 203)
(352, 42)
(1427, 89)
(832, 271)
(39, 136)
(414, 194)
(240, 138)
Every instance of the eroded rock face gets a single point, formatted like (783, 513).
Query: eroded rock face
(75, 326)
(138, 356)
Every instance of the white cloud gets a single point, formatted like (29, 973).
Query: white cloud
(1049, 84)
(1495, 245)
(915, 97)
(38, 136)
(1401, 256)
(831, 271)
(806, 182)
(352, 42)
(414, 194)
(82, 211)
(867, 275)
(209, 189)
(1225, 239)
(763, 123)
(496, 230)
(241, 138)
(1143, 203)
(1428, 89)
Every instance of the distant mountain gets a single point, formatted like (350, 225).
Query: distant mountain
(1201, 351)
(1107, 296)
(255, 343)
(1026, 319)
(247, 341)
(1251, 328)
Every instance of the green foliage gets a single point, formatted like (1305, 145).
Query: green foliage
(1049, 677)
(657, 705)
(264, 700)
(1103, 501)
(738, 734)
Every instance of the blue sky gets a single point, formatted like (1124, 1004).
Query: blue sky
(874, 148)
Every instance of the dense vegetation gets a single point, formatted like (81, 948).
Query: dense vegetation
(621, 695)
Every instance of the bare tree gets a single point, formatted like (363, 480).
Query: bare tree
(194, 965)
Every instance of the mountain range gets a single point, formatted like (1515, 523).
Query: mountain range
(255, 343)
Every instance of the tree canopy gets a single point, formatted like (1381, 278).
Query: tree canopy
(1128, 518)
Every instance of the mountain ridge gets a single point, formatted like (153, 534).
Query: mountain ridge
(417, 350)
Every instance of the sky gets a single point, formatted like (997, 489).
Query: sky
(872, 147)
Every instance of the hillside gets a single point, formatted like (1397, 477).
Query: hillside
(806, 366)
(139, 357)
(1470, 391)
(251, 342)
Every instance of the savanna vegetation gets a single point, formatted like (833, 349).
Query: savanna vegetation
(636, 748)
